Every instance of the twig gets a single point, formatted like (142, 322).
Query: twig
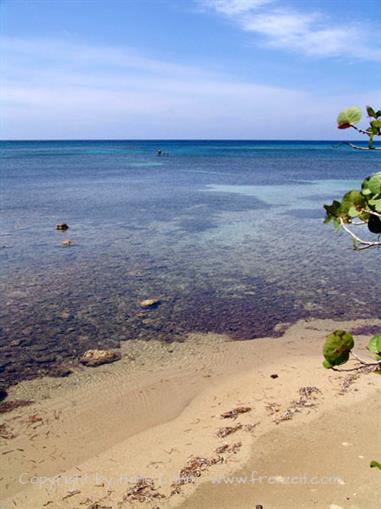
(366, 243)
(366, 363)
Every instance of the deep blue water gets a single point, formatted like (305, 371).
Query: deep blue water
(228, 235)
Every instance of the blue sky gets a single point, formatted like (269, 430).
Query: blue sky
(251, 69)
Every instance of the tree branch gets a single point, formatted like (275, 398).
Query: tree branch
(362, 131)
(363, 364)
(365, 243)
(356, 147)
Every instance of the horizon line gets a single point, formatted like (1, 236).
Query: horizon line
(185, 139)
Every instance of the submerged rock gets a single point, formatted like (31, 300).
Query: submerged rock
(149, 303)
(66, 243)
(62, 226)
(93, 358)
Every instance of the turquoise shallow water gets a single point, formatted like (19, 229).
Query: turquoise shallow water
(228, 235)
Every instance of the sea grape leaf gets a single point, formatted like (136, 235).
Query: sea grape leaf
(374, 344)
(332, 211)
(348, 117)
(371, 185)
(353, 212)
(376, 203)
(337, 347)
(370, 111)
(336, 224)
(352, 199)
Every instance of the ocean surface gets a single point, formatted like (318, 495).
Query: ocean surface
(229, 236)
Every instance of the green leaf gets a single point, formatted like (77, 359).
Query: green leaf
(371, 185)
(375, 464)
(332, 211)
(353, 212)
(352, 199)
(336, 224)
(337, 347)
(348, 117)
(374, 344)
(376, 204)
(370, 111)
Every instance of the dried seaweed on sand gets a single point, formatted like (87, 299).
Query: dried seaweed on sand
(193, 469)
(229, 448)
(228, 430)
(233, 414)
(143, 491)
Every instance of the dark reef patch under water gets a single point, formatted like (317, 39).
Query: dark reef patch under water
(228, 235)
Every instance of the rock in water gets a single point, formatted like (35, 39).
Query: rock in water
(62, 226)
(149, 303)
(66, 243)
(93, 358)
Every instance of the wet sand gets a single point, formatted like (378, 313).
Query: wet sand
(157, 414)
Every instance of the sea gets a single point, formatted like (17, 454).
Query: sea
(227, 235)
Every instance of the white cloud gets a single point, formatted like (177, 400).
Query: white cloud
(60, 89)
(308, 33)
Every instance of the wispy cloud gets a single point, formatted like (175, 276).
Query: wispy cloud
(302, 31)
(61, 89)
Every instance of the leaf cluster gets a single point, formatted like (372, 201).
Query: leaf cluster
(358, 204)
(352, 116)
(365, 203)
(339, 344)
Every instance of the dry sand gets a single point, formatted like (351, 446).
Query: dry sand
(305, 442)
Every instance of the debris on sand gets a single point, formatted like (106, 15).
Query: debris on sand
(348, 381)
(94, 358)
(5, 433)
(272, 407)
(287, 415)
(193, 469)
(8, 406)
(143, 491)
(98, 505)
(229, 448)
(228, 430)
(233, 414)
(307, 399)
(307, 392)
(71, 494)
(250, 427)
(308, 396)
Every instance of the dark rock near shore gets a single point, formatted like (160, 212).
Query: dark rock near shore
(3, 394)
(60, 372)
(93, 358)
(8, 406)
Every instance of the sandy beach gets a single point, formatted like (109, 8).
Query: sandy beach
(292, 434)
